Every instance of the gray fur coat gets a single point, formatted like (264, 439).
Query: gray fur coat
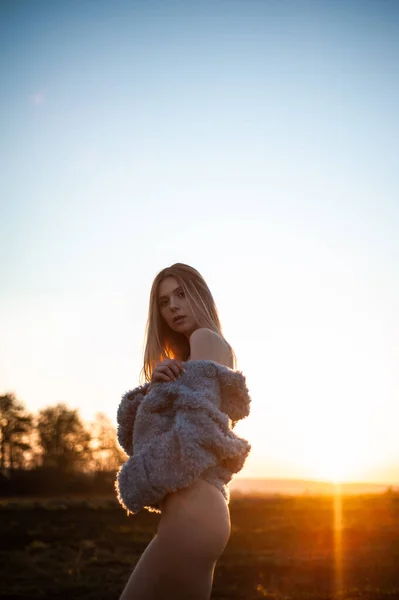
(180, 431)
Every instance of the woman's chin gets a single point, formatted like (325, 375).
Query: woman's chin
(185, 329)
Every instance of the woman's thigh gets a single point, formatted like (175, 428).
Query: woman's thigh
(196, 520)
(164, 572)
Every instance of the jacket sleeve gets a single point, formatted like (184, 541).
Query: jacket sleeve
(126, 416)
(235, 398)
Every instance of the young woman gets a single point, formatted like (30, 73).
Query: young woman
(179, 563)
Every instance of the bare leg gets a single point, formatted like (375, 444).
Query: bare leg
(170, 571)
(179, 562)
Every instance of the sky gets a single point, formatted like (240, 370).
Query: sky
(257, 141)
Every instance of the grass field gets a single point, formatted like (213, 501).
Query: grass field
(281, 548)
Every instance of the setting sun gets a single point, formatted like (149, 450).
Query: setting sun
(335, 465)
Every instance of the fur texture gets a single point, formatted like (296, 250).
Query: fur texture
(181, 431)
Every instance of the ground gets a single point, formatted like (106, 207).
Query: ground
(281, 548)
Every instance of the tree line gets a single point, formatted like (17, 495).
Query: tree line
(54, 449)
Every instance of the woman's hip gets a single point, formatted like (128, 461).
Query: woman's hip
(197, 518)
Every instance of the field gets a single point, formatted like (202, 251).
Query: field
(281, 548)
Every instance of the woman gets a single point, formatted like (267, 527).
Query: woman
(183, 325)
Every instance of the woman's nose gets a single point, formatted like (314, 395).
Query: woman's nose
(173, 304)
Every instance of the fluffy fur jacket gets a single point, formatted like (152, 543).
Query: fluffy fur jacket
(181, 431)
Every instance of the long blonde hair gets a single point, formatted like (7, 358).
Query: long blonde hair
(161, 342)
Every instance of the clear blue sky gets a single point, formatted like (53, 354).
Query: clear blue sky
(256, 141)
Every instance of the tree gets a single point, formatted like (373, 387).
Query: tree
(63, 439)
(15, 430)
(106, 453)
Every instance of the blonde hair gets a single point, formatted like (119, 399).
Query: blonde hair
(161, 342)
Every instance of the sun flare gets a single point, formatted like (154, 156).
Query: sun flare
(335, 465)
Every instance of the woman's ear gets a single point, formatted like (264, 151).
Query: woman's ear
(235, 398)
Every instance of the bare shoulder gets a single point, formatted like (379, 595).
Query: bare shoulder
(206, 344)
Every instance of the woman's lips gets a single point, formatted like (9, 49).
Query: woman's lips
(179, 320)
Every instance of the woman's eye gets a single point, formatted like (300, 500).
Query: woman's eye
(164, 302)
(181, 294)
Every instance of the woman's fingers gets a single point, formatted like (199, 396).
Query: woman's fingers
(163, 373)
(161, 377)
(175, 369)
(168, 370)
(177, 366)
(170, 366)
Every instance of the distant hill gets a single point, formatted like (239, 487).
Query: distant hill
(302, 486)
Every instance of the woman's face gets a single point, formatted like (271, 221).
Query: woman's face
(174, 307)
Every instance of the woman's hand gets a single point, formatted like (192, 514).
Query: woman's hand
(167, 370)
